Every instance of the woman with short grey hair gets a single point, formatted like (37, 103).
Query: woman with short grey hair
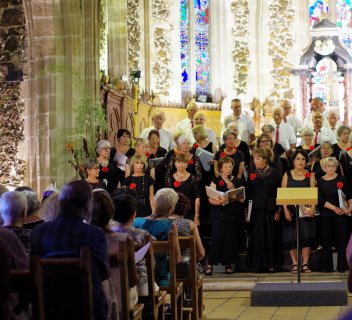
(108, 171)
(13, 210)
(334, 219)
(159, 226)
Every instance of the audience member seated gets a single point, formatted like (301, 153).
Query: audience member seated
(13, 210)
(91, 168)
(50, 208)
(67, 234)
(18, 257)
(125, 213)
(32, 218)
(101, 210)
(185, 228)
(159, 225)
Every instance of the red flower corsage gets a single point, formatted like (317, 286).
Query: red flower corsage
(307, 174)
(105, 169)
(190, 162)
(221, 183)
(348, 149)
(177, 184)
(252, 176)
(133, 186)
(223, 154)
(339, 185)
(311, 148)
(147, 154)
(196, 146)
(234, 148)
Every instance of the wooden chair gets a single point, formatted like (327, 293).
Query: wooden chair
(175, 288)
(68, 287)
(120, 283)
(194, 281)
(29, 285)
(157, 297)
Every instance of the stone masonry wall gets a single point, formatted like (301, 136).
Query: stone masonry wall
(12, 57)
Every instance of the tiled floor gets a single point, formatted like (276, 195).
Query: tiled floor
(230, 305)
(234, 303)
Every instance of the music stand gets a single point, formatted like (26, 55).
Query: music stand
(296, 197)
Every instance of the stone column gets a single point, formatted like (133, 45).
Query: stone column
(348, 95)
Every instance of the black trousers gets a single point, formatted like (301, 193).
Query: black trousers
(334, 227)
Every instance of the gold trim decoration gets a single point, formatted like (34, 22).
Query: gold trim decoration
(281, 15)
(240, 52)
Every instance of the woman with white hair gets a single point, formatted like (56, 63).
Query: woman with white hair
(159, 226)
(334, 220)
(183, 146)
(13, 210)
(108, 172)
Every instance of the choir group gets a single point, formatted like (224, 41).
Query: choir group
(190, 159)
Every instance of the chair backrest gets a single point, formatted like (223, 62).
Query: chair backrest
(168, 248)
(29, 285)
(119, 277)
(68, 287)
(189, 243)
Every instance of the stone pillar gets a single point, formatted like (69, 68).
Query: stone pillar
(348, 95)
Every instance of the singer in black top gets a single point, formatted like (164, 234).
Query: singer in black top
(264, 248)
(142, 185)
(334, 220)
(226, 219)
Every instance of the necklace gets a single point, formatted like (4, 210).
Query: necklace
(301, 174)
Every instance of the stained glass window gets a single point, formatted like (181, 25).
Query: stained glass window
(184, 39)
(344, 21)
(201, 15)
(317, 11)
(195, 62)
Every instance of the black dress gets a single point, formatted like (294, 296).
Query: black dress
(111, 174)
(237, 157)
(226, 220)
(332, 224)
(306, 225)
(189, 188)
(159, 169)
(99, 185)
(243, 146)
(141, 186)
(264, 249)
(194, 166)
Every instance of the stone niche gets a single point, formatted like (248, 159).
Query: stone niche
(12, 57)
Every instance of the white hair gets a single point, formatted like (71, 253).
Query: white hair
(101, 144)
(165, 199)
(182, 138)
(13, 206)
(232, 124)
